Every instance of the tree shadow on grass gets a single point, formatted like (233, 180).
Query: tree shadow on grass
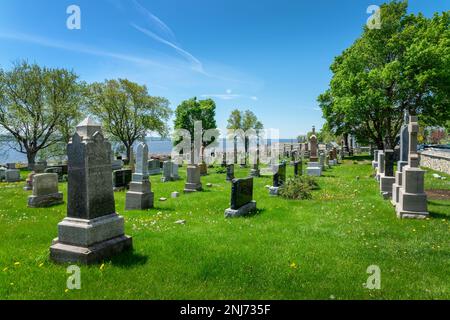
(438, 215)
(129, 259)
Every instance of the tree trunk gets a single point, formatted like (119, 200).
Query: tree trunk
(31, 157)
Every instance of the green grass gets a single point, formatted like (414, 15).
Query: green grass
(314, 249)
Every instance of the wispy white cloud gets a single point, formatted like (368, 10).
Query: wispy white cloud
(229, 95)
(156, 23)
(160, 32)
(195, 63)
(77, 48)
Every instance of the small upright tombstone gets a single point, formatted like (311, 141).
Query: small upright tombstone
(242, 202)
(175, 174)
(380, 168)
(193, 182)
(375, 159)
(154, 167)
(45, 191)
(412, 197)
(92, 230)
(167, 171)
(12, 175)
(387, 179)
(298, 168)
(2, 174)
(140, 196)
(37, 168)
(279, 179)
(230, 172)
(11, 166)
(121, 179)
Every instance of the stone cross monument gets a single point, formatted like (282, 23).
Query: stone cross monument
(412, 201)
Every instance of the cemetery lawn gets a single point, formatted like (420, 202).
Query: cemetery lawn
(314, 249)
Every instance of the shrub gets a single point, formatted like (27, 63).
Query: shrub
(298, 188)
(221, 170)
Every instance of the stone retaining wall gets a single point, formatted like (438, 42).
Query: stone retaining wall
(436, 160)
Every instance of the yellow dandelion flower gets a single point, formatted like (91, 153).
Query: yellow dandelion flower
(293, 265)
(67, 290)
(41, 265)
(102, 267)
(17, 263)
(6, 269)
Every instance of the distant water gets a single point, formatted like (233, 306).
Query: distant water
(156, 146)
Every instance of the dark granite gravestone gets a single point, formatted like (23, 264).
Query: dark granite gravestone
(298, 168)
(242, 201)
(230, 172)
(92, 230)
(279, 178)
(122, 179)
(389, 163)
(387, 179)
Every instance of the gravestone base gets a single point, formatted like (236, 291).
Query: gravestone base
(314, 171)
(242, 211)
(139, 197)
(45, 201)
(166, 179)
(412, 205)
(192, 187)
(386, 186)
(89, 241)
(256, 173)
(154, 172)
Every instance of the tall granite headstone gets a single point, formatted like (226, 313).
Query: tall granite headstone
(140, 196)
(404, 152)
(313, 155)
(412, 197)
(92, 230)
(230, 172)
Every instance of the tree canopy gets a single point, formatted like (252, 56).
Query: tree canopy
(192, 110)
(127, 111)
(36, 106)
(404, 65)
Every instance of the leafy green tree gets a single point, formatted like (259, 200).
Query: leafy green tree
(36, 104)
(245, 121)
(127, 111)
(402, 66)
(193, 110)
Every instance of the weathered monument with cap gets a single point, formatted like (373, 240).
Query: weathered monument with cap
(92, 230)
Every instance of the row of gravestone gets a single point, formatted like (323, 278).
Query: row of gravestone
(405, 189)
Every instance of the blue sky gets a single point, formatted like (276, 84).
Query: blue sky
(270, 56)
